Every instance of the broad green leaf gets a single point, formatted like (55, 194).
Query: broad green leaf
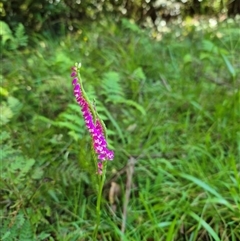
(229, 66)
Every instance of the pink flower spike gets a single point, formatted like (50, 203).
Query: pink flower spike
(93, 124)
(73, 74)
(110, 155)
(77, 87)
(102, 157)
(75, 80)
(80, 100)
(100, 168)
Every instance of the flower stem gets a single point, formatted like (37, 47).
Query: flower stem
(99, 199)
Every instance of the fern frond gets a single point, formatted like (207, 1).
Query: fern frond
(18, 228)
(5, 33)
(111, 86)
(20, 36)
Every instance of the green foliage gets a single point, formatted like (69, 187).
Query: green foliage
(212, 52)
(13, 41)
(17, 228)
(169, 100)
(10, 108)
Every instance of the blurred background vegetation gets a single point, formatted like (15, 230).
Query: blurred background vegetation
(164, 76)
(62, 15)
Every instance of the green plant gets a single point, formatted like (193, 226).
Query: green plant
(17, 227)
(10, 40)
(213, 52)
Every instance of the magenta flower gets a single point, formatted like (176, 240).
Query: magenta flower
(92, 122)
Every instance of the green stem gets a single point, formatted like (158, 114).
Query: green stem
(99, 199)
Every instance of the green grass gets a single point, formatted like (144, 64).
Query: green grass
(172, 105)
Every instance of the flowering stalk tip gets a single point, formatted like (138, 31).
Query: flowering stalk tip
(93, 123)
